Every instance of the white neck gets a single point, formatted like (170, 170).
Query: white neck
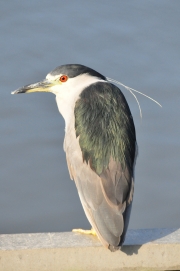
(68, 93)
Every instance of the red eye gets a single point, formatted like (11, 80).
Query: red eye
(63, 78)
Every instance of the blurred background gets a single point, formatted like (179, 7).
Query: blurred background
(135, 42)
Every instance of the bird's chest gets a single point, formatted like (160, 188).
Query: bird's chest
(74, 155)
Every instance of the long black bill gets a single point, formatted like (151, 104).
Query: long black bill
(42, 86)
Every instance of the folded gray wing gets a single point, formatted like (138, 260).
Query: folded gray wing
(105, 198)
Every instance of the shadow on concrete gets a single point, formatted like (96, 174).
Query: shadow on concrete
(136, 238)
(130, 250)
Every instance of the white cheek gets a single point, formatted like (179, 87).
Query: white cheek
(56, 89)
(62, 89)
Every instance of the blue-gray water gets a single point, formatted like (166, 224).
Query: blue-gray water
(135, 42)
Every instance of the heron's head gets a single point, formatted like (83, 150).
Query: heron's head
(64, 80)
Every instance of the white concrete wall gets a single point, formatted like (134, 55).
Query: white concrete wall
(152, 249)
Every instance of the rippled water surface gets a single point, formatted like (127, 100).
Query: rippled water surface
(136, 42)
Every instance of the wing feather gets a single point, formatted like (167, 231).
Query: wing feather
(105, 198)
(100, 145)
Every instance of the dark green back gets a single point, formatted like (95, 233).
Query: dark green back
(105, 125)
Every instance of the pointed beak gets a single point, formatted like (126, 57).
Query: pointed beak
(43, 86)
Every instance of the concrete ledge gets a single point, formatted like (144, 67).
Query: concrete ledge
(151, 249)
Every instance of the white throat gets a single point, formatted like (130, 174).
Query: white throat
(68, 93)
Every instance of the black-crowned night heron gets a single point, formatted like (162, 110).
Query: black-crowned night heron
(100, 146)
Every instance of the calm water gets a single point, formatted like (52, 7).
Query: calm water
(136, 42)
